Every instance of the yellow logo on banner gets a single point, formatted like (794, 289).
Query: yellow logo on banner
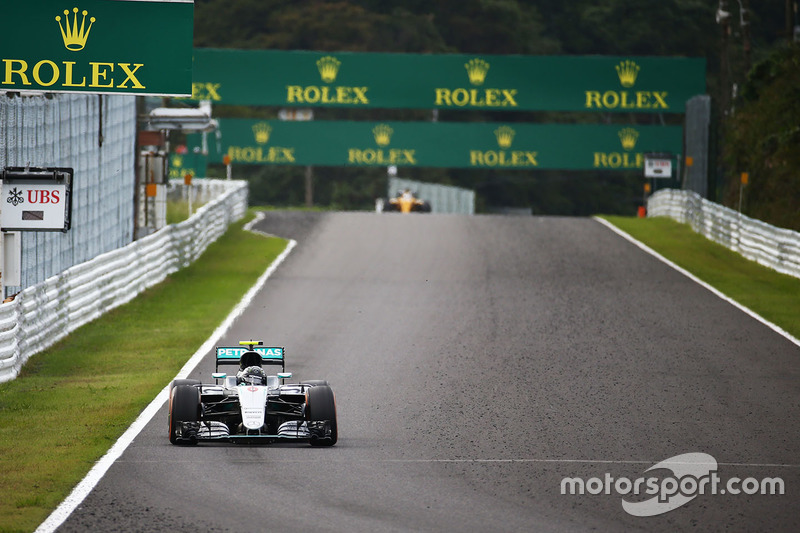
(628, 138)
(626, 159)
(261, 132)
(383, 134)
(504, 158)
(472, 97)
(68, 74)
(74, 37)
(477, 70)
(262, 154)
(206, 91)
(328, 67)
(505, 136)
(177, 170)
(627, 71)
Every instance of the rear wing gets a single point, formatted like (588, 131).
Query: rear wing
(231, 355)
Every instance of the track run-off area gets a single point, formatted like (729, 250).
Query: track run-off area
(477, 362)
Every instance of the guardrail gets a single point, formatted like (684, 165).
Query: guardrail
(43, 314)
(774, 247)
(203, 190)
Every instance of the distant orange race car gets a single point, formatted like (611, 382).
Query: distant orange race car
(406, 202)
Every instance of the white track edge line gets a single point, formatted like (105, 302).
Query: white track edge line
(82, 489)
(697, 280)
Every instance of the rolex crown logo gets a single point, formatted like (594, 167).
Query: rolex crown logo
(383, 134)
(177, 161)
(627, 71)
(476, 70)
(505, 136)
(73, 36)
(628, 138)
(261, 132)
(328, 67)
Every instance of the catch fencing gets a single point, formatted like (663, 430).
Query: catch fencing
(94, 135)
(42, 314)
(774, 247)
(697, 143)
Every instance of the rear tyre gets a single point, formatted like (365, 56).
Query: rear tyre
(184, 406)
(321, 406)
(315, 382)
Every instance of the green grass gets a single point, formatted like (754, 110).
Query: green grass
(772, 295)
(178, 211)
(71, 402)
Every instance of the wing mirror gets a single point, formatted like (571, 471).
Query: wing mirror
(284, 375)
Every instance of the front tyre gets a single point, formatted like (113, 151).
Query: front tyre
(184, 406)
(176, 382)
(321, 408)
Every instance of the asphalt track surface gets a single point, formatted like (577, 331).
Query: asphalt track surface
(476, 362)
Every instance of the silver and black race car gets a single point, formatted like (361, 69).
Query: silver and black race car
(252, 406)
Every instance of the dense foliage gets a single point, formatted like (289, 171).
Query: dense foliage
(763, 140)
(618, 27)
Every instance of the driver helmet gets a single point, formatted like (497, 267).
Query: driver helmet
(252, 375)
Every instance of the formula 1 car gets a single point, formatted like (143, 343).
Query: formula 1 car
(406, 202)
(251, 406)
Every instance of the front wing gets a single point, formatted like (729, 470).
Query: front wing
(218, 431)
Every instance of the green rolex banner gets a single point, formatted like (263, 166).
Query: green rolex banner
(183, 163)
(441, 144)
(137, 47)
(447, 81)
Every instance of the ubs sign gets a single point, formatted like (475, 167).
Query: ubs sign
(36, 199)
(96, 46)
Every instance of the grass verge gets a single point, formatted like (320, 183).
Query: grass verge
(772, 295)
(178, 211)
(71, 402)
